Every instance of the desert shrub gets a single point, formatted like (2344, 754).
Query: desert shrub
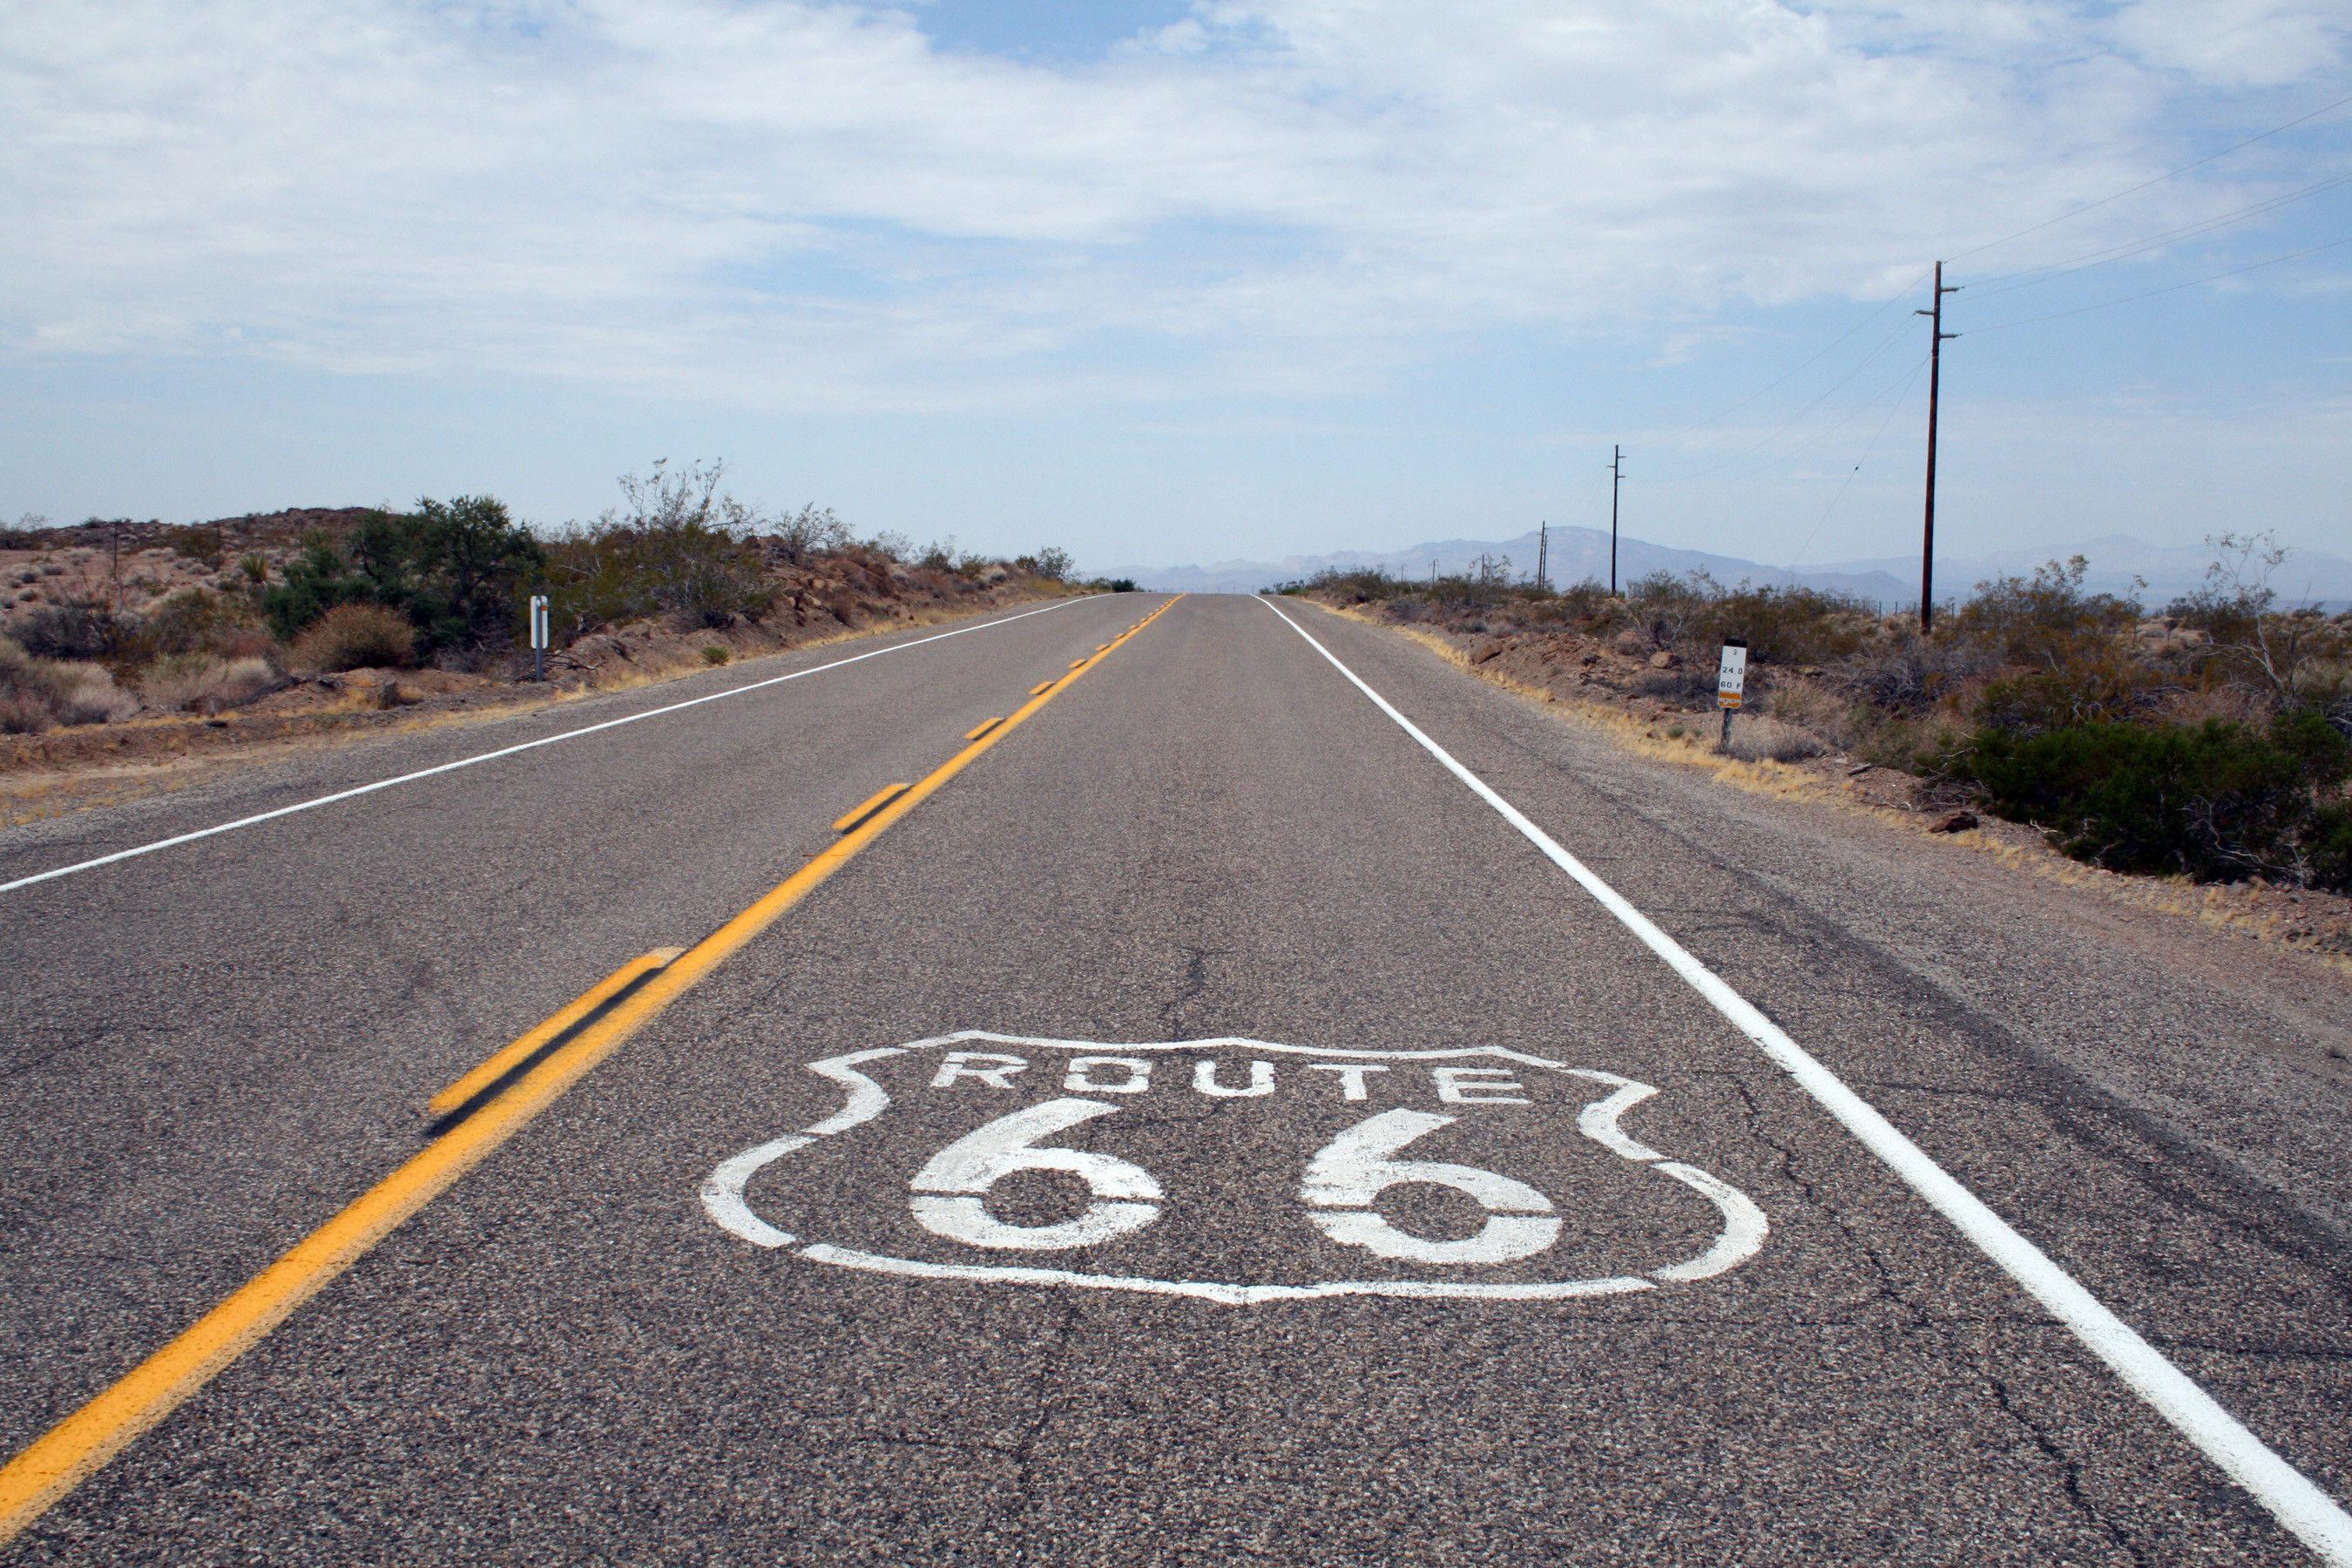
(452, 568)
(75, 626)
(352, 636)
(195, 620)
(313, 582)
(2328, 845)
(201, 683)
(888, 545)
(1668, 608)
(714, 655)
(808, 533)
(1354, 585)
(1784, 624)
(35, 693)
(1055, 562)
(2215, 801)
(1114, 585)
(2046, 621)
(2104, 685)
(199, 542)
(679, 550)
(256, 568)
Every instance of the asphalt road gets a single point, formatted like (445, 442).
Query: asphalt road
(1307, 1203)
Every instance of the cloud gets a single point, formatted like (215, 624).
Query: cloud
(809, 205)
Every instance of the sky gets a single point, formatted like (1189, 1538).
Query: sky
(1165, 282)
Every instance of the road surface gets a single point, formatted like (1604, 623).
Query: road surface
(1276, 1098)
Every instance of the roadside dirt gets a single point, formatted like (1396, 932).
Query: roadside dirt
(1587, 681)
(83, 766)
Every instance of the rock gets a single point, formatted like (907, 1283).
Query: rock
(1630, 644)
(1490, 651)
(1589, 660)
(1955, 821)
(991, 575)
(1859, 769)
(1664, 658)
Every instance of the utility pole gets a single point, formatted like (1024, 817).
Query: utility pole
(1937, 337)
(1616, 472)
(1543, 552)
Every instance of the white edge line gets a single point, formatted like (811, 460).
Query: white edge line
(2315, 1518)
(510, 750)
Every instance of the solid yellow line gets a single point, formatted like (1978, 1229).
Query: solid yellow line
(500, 1062)
(75, 1448)
(872, 804)
(982, 728)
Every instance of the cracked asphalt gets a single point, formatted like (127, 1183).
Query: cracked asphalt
(1213, 845)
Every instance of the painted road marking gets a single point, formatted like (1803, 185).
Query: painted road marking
(259, 817)
(1042, 688)
(1331, 1194)
(982, 728)
(505, 1060)
(77, 1446)
(870, 805)
(2313, 1516)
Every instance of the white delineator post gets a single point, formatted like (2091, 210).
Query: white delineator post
(1730, 681)
(538, 636)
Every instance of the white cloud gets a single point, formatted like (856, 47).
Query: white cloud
(796, 204)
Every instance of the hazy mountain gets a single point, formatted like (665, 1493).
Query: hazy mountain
(1581, 552)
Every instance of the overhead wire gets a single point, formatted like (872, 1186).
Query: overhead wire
(1737, 458)
(2169, 289)
(2144, 185)
(1790, 570)
(2030, 276)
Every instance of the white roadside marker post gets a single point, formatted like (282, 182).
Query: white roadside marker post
(538, 636)
(1730, 681)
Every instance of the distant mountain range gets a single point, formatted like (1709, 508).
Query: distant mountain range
(1578, 553)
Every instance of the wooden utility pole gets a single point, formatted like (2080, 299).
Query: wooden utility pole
(1543, 552)
(1937, 338)
(1616, 472)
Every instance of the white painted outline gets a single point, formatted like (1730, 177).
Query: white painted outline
(2298, 1503)
(260, 817)
(1743, 1233)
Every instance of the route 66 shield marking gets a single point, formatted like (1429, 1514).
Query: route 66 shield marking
(1329, 1193)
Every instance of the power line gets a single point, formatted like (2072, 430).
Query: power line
(2144, 185)
(2032, 276)
(2169, 289)
(1770, 436)
(1819, 354)
(1893, 408)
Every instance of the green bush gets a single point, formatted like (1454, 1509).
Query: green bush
(453, 569)
(2216, 800)
(679, 550)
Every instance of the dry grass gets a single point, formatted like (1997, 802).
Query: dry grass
(201, 683)
(38, 693)
(355, 637)
(1756, 738)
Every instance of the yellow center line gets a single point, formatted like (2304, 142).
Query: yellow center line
(499, 1063)
(72, 1450)
(870, 805)
(983, 727)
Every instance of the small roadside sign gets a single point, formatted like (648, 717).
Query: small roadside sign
(1731, 679)
(539, 640)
